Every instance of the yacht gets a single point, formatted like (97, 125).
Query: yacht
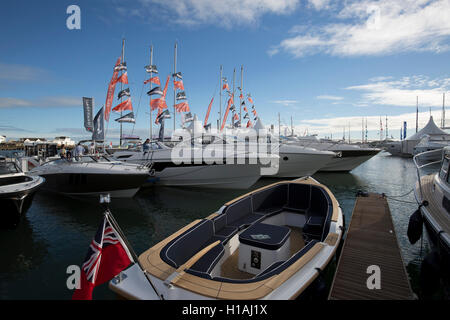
(347, 158)
(295, 160)
(432, 192)
(271, 243)
(16, 191)
(209, 169)
(92, 176)
(429, 143)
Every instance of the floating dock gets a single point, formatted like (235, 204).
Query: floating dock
(370, 266)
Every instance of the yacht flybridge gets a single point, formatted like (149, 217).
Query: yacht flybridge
(267, 244)
(92, 176)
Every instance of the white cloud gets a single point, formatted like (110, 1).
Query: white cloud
(371, 27)
(404, 91)
(319, 4)
(286, 103)
(223, 13)
(16, 72)
(328, 97)
(60, 101)
(335, 126)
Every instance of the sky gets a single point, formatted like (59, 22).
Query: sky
(327, 64)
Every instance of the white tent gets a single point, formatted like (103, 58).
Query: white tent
(430, 129)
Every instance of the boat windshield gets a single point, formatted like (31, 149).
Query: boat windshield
(8, 168)
(79, 159)
(444, 168)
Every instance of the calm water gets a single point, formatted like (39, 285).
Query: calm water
(56, 231)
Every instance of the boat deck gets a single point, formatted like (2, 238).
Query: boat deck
(371, 240)
(434, 207)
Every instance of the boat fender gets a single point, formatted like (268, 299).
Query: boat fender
(415, 226)
(430, 273)
(361, 193)
(319, 291)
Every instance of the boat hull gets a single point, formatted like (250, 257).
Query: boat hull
(93, 185)
(15, 203)
(295, 165)
(219, 176)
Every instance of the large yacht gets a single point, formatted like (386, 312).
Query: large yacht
(209, 169)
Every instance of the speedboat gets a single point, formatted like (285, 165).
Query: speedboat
(347, 157)
(92, 176)
(432, 192)
(16, 191)
(202, 161)
(271, 243)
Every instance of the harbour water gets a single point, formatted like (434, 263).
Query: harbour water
(56, 231)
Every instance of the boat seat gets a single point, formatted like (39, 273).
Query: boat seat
(247, 220)
(221, 229)
(270, 201)
(208, 261)
(185, 246)
(317, 216)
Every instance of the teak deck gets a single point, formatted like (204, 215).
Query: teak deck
(371, 240)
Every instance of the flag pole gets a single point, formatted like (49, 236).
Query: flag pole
(110, 217)
(151, 75)
(242, 92)
(220, 99)
(174, 89)
(121, 87)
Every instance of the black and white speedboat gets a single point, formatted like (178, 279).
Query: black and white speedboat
(92, 176)
(270, 243)
(16, 191)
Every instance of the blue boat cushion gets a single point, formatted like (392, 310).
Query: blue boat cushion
(221, 229)
(277, 236)
(227, 232)
(318, 217)
(238, 210)
(299, 196)
(247, 220)
(220, 221)
(271, 200)
(182, 248)
(275, 270)
(209, 260)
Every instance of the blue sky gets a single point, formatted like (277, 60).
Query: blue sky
(325, 63)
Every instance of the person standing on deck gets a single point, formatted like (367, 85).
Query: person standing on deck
(79, 151)
(146, 146)
(62, 152)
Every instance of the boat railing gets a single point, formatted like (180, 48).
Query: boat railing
(420, 165)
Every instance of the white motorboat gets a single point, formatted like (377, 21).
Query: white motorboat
(200, 167)
(295, 161)
(347, 158)
(92, 176)
(271, 243)
(16, 191)
(432, 192)
(429, 143)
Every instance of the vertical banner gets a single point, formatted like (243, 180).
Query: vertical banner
(99, 133)
(404, 130)
(88, 106)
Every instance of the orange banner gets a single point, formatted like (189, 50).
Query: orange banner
(207, 113)
(126, 105)
(110, 93)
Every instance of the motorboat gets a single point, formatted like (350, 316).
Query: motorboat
(432, 192)
(16, 191)
(295, 160)
(347, 157)
(92, 176)
(429, 143)
(202, 161)
(271, 243)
